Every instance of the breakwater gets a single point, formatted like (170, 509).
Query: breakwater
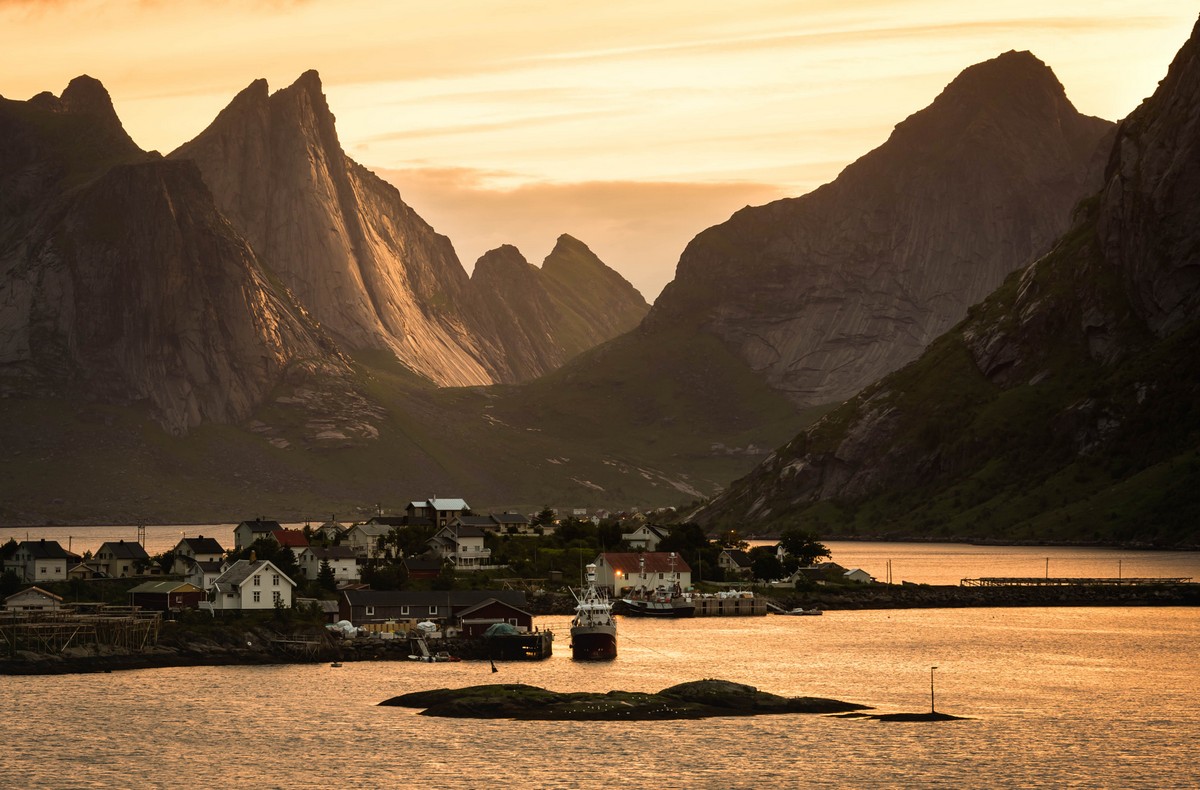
(923, 596)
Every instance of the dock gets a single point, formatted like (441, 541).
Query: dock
(729, 607)
(1039, 581)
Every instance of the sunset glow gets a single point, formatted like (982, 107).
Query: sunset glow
(631, 126)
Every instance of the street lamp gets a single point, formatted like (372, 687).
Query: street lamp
(931, 710)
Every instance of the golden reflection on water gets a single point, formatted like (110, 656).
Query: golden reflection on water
(1097, 697)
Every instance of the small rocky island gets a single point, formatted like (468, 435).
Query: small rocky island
(695, 700)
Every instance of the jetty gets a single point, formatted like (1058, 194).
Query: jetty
(1071, 581)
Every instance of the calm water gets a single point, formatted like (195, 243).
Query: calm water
(1102, 697)
(928, 563)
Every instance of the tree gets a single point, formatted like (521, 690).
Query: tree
(766, 567)
(326, 578)
(545, 518)
(731, 539)
(803, 545)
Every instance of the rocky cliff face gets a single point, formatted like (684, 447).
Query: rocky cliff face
(544, 317)
(1064, 407)
(365, 265)
(120, 280)
(825, 293)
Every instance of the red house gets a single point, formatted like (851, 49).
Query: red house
(166, 596)
(477, 619)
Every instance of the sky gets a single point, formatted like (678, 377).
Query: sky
(629, 125)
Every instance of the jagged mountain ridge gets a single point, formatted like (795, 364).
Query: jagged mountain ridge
(825, 293)
(120, 280)
(362, 261)
(1064, 407)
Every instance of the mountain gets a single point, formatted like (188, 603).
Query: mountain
(120, 281)
(551, 314)
(825, 293)
(364, 264)
(1066, 406)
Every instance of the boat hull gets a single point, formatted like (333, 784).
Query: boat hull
(593, 643)
(635, 608)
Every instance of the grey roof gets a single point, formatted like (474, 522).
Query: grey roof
(375, 530)
(262, 525)
(479, 522)
(35, 589)
(739, 557)
(203, 545)
(459, 598)
(449, 504)
(125, 551)
(238, 572)
(164, 587)
(510, 518)
(482, 604)
(391, 521)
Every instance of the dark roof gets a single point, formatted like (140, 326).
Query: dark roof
(332, 552)
(482, 604)
(478, 522)
(203, 545)
(262, 525)
(47, 550)
(161, 587)
(390, 521)
(458, 598)
(510, 518)
(125, 551)
(656, 562)
(739, 557)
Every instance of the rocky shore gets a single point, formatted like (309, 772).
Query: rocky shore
(924, 596)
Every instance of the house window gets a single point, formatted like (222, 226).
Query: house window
(660, 575)
(433, 610)
(512, 621)
(403, 610)
(257, 596)
(277, 596)
(257, 580)
(370, 611)
(275, 579)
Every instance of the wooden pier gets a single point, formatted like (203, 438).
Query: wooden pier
(55, 632)
(730, 607)
(1039, 581)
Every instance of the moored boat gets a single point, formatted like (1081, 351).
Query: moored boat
(593, 630)
(660, 603)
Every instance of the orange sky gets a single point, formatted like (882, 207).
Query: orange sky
(630, 125)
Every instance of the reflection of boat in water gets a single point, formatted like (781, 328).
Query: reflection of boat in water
(659, 602)
(439, 657)
(593, 631)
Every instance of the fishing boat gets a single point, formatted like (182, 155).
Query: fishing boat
(593, 630)
(660, 601)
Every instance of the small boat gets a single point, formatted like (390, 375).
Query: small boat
(802, 612)
(593, 630)
(336, 664)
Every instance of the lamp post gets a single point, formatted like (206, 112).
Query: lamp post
(931, 708)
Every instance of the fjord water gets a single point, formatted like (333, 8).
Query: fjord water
(1083, 697)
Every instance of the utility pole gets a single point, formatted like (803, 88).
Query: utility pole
(931, 708)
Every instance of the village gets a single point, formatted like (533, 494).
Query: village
(438, 567)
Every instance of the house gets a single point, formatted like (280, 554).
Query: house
(735, 563)
(331, 531)
(645, 538)
(41, 561)
(364, 538)
(820, 573)
(341, 559)
(389, 521)
(203, 574)
(858, 575)
(197, 549)
(33, 599)
(462, 545)
(623, 571)
(293, 539)
(440, 511)
(166, 596)
(252, 585)
(84, 570)
(482, 523)
(422, 567)
(328, 609)
(118, 559)
(511, 523)
(474, 620)
(366, 606)
(247, 532)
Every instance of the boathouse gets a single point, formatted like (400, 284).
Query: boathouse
(166, 596)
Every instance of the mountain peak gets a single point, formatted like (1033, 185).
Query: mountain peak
(86, 94)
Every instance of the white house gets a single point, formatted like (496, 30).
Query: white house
(247, 532)
(118, 559)
(33, 599)
(622, 571)
(203, 574)
(646, 537)
(736, 564)
(857, 575)
(341, 559)
(198, 549)
(363, 539)
(462, 545)
(41, 561)
(252, 585)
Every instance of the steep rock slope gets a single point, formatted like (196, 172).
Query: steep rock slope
(120, 281)
(825, 293)
(362, 262)
(544, 317)
(1064, 407)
